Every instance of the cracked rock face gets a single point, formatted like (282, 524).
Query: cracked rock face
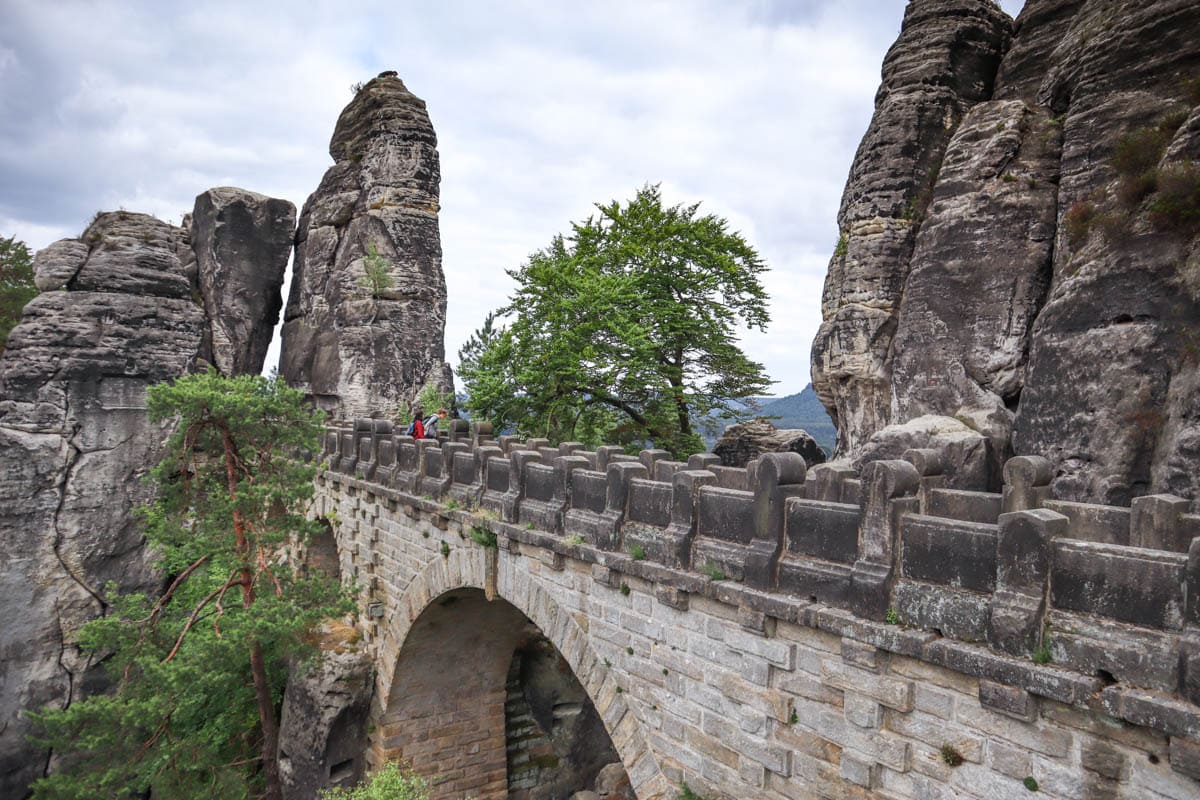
(121, 308)
(358, 349)
(323, 728)
(1037, 297)
(116, 315)
(242, 242)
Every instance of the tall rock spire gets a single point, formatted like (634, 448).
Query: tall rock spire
(358, 346)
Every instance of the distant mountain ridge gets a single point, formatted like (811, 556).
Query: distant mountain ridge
(802, 410)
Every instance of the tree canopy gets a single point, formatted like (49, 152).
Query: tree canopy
(199, 671)
(623, 331)
(16, 284)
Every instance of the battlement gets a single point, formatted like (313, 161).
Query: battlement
(1112, 593)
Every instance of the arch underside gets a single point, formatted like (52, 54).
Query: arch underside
(442, 699)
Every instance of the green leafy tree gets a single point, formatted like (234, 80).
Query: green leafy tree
(624, 331)
(199, 672)
(16, 284)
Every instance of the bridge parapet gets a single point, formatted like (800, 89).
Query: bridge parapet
(1110, 593)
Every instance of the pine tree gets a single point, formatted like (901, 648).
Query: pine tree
(199, 672)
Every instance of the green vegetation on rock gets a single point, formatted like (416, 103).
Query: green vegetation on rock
(389, 783)
(198, 673)
(16, 284)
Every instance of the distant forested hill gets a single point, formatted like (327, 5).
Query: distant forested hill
(801, 410)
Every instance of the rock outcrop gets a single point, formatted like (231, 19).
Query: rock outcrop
(363, 329)
(1046, 294)
(115, 315)
(742, 443)
(242, 242)
(323, 728)
(120, 309)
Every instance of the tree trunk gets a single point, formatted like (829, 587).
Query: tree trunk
(270, 726)
(258, 668)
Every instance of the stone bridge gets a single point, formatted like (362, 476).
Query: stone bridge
(767, 632)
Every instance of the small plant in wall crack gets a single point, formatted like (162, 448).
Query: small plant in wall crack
(574, 539)
(892, 617)
(483, 537)
(445, 550)
(713, 572)
(637, 552)
(950, 755)
(686, 793)
(625, 590)
(1031, 783)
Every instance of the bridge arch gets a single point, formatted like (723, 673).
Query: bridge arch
(441, 688)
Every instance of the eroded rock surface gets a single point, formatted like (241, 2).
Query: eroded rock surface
(943, 62)
(360, 350)
(121, 308)
(116, 315)
(1046, 296)
(242, 242)
(746, 441)
(323, 729)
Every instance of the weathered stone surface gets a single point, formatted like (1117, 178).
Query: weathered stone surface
(1047, 299)
(990, 227)
(75, 446)
(354, 351)
(323, 728)
(242, 241)
(746, 441)
(1111, 394)
(943, 62)
(965, 452)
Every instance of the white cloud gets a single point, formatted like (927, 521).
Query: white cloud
(755, 109)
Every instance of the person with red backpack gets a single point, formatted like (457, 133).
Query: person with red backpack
(416, 428)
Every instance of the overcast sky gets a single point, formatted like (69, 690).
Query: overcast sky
(753, 108)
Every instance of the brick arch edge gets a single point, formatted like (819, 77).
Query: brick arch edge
(467, 568)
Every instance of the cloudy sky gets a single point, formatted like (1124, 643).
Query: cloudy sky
(541, 109)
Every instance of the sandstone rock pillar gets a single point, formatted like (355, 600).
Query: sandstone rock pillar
(360, 349)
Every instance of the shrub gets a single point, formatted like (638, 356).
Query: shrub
(1031, 783)
(637, 552)
(483, 537)
(389, 783)
(892, 617)
(685, 793)
(950, 756)
(1041, 654)
(713, 572)
(1138, 151)
(1133, 189)
(1191, 90)
(377, 272)
(1177, 204)
(1078, 221)
(1114, 225)
(843, 244)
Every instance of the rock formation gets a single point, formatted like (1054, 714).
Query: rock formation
(242, 242)
(323, 728)
(1019, 244)
(746, 441)
(357, 346)
(119, 310)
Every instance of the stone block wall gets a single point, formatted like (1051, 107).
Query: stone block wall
(761, 687)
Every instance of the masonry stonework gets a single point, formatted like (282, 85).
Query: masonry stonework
(789, 683)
